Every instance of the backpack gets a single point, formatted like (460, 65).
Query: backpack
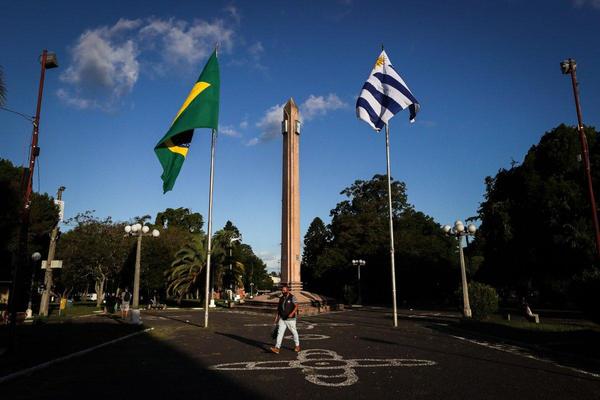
(127, 296)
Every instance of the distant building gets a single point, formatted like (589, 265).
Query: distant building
(276, 280)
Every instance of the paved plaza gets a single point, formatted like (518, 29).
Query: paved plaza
(352, 354)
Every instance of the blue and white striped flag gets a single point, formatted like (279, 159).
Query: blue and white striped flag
(383, 95)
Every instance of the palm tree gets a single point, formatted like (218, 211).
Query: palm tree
(185, 275)
(222, 263)
(2, 88)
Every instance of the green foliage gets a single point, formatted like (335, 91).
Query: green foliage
(482, 298)
(233, 264)
(536, 230)
(585, 291)
(425, 259)
(43, 216)
(316, 240)
(185, 275)
(180, 217)
(95, 249)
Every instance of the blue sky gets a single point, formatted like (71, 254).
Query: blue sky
(486, 74)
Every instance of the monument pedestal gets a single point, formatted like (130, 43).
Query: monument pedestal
(308, 303)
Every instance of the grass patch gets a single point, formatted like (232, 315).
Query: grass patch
(542, 326)
(579, 337)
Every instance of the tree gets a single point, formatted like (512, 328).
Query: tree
(180, 217)
(315, 242)
(42, 219)
(426, 268)
(96, 249)
(185, 275)
(536, 231)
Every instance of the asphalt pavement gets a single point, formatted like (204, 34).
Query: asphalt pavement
(354, 354)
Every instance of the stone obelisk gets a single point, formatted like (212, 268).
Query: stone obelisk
(290, 212)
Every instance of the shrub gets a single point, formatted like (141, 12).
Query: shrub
(482, 298)
(585, 290)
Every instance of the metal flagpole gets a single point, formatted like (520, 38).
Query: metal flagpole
(209, 233)
(387, 153)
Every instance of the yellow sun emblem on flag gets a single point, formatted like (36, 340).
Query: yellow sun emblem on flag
(380, 61)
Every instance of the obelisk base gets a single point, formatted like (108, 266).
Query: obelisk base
(308, 303)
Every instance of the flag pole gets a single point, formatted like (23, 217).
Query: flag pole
(207, 288)
(387, 153)
(209, 229)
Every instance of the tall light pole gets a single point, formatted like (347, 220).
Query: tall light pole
(45, 302)
(359, 263)
(458, 231)
(47, 60)
(569, 66)
(231, 240)
(139, 231)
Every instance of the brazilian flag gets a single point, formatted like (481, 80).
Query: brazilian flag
(199, 110)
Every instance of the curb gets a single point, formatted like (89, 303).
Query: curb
(530, 348)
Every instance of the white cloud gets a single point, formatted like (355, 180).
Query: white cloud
(583, 3)
(271, 259)
(269, 125)
(183, 42)
(234, 13)
(230, 131)
(244, 124)
(105, 61)
(319, 105)
(75, 101)
(314, 106)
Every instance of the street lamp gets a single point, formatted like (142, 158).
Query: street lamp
(459, 230)
(569, 66)
(231, 240)
(359, 263)
(140, 231)
(47, 61)
(35, 257)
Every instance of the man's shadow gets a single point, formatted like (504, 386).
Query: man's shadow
(255, 343)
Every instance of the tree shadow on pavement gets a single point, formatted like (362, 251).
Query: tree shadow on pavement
(143, 366)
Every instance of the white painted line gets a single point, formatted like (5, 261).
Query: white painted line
(27, 371)
(324, 367)
(520, 351)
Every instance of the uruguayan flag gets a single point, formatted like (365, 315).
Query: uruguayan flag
(383, 95)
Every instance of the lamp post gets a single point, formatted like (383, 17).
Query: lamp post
(139, 231)
(359, 263)
(458, 231)
(569, 66)
(47, 60)
(35, 257)
(231, 240)
(48, 282)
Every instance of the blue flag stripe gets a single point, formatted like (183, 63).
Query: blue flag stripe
(388, 80)
(384, 100)
(378, 122)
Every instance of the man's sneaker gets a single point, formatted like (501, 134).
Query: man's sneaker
(297, 349)
(275, 350)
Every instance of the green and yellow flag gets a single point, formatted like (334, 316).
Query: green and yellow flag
(199, 110)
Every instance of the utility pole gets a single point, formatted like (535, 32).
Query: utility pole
(44, 305)
(47, 60)
(568, 67)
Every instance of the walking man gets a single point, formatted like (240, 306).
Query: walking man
(286, 318)
(125, 299)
